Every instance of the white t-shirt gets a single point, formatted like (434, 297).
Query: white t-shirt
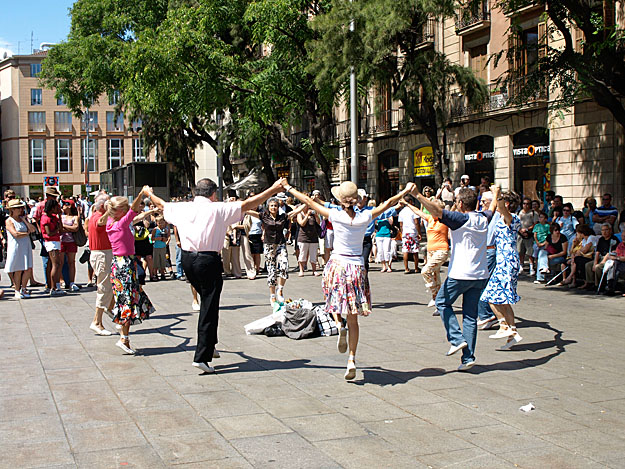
(469, 233)
(349, 234)
(457, 190)
(409, 220)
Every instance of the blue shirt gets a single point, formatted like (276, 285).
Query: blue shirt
(492, 228)
(607, 211)
(157, 234)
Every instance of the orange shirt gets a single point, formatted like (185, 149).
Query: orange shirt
(437, 235)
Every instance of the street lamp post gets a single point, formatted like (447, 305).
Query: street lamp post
(353, 117)
(87, 122)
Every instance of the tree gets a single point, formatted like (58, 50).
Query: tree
(387, 48)
(581, 54)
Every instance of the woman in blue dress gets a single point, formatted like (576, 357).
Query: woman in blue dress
(500, 292)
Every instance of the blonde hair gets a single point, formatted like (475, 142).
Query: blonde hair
(113, 205)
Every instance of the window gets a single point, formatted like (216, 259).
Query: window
(36, 121)
(62, 121)
(137, 125)
(37, 150)
(114, 98)
(92, 155)
(35, 97)
(60, 101)
(35, 70)
(137, 150)
(115, 152)
(478, 58)
(529, 54)
(114, 123)
(92, 118)
(63, 155)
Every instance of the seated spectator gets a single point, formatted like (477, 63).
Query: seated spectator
(607, 213)
(606, 244)
(581, 253)
(590, 205)
(556, 251)
(567, 222)
(541, 231)
(621, 220)
(617, 267)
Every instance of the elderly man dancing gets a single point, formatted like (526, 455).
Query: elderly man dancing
(202, 226)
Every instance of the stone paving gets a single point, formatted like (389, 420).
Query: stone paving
(69, 398)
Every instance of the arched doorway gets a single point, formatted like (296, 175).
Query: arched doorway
(388, 174)
(479, 158)
(531, 152)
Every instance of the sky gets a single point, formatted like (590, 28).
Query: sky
(47, 20)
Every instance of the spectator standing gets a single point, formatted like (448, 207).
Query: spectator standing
(446, 194)
(468, 271)
(51, 194)
(51, 229)
(255, 237)
(607, 213)
(69, 248)
(101, 258)
(410, 225)
(541, 231)
(525, 241)
(19, 250)
(160, 238)
(308, 239)
(556, 204)
(465, 183)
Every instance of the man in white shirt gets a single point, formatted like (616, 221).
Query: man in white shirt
(411, 235)
(202, 226)
(468, 271)
(464, 184)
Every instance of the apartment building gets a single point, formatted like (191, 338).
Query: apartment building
(40, 137)
(523, 148)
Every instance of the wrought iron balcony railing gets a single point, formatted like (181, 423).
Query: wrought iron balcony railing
(472, 15)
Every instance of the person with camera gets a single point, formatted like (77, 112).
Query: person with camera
(446, 194)
(525, 241)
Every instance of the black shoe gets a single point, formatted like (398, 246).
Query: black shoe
(436, 313)
(609, 292)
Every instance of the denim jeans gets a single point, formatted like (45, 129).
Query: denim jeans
(447, 295)
(484, 311)
(179, 270)
(544, 262)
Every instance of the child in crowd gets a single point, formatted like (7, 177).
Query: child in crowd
(160, 237)
(541, 231)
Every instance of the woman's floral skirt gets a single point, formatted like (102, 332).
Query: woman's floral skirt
(346, 288)
(131, 303)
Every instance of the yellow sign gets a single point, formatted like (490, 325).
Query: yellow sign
(423, 162)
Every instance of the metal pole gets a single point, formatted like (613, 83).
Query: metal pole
(220, 174)
(353, 119)
(87, 121)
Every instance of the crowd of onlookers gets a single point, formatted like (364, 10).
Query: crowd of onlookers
(581, 247)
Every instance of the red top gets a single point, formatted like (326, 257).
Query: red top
(98, 239)
(52, 222)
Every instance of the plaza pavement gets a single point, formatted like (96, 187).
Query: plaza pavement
(69, 398)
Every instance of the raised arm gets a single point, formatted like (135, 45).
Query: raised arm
(414, 209)
(259, 199)
(294, 213)
(145, 191)
(501, 205)
(252, 213)
(383, 207)
(306, 200)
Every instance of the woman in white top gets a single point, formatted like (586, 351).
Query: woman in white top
(345, 283)
(19, 250)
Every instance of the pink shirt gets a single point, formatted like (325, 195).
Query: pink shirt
(120, 235)
(202, 224)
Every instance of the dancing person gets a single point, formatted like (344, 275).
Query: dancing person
(500, 292)
(132, 305)
(345, 284)
(437, 249)
(410, 224)
(468, 270)
(275, 224)
(202, 226)
(308, 239)
(51, 229)
(101, 258)
(486, 319)
(581, 253)
(19, 257)
(69, 248)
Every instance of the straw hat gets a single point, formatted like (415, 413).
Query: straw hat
(15, 203)
(347, 190)
(51, 190)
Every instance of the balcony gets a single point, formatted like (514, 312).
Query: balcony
(371, 125)
(502, 96)
(472, 19)
(428, 34)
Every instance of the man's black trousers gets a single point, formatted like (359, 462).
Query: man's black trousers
(203, 270)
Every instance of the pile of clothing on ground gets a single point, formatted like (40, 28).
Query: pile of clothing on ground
(298, 319)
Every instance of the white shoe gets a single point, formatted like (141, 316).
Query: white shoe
(481, 322)
(216, 354)
(487, 324)
(195, 306)
(454, 348)
(350, 373)
(512, 341)
(341, 343)
(466, 366)
(503, 332)
(431, 304)
(124, 347)
(99, 331)
(205, 367)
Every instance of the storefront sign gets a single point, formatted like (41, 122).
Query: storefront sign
(479, 156)
(423, 162)
(530, 150)
(283, 171)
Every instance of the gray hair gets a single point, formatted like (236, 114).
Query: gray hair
(272, 200)
(99, 202)
(608, 225)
